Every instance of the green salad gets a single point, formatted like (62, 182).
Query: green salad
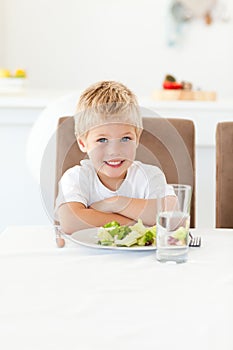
(113, 234)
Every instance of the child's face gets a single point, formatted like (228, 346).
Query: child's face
(112, 148)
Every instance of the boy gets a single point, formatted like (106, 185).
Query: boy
(110, 185)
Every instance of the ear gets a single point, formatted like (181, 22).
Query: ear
(139, 133)
(82, 145)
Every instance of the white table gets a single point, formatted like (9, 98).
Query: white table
(91, 299)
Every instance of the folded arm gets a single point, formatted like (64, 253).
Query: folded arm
(75, 216)
(135, 208)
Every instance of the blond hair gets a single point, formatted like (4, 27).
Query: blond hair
(106, 102)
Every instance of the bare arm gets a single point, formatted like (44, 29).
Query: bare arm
(75, 216)
(135, 208)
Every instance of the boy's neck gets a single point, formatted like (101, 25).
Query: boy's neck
(112, 183)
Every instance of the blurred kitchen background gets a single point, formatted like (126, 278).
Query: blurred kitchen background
(71, 44)
(64, 46)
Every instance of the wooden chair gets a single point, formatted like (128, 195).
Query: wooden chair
(224, 175)
(167, 143)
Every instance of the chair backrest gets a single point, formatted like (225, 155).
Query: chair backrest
(224, 175)
(167, 143)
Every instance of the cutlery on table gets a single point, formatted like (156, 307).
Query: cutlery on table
(59, 239)
(194, 241)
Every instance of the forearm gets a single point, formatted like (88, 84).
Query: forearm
(135, 208)
(75, 216)
(132, 208)
(146, 209)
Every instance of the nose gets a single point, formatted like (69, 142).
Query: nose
(114, 148)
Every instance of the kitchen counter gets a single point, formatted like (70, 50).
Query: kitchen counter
(205, 115)
(41, 98)
(24, 108)
(30, 98)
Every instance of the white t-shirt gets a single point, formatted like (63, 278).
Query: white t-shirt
(81, 184)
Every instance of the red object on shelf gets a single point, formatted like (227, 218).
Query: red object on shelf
(172, 85)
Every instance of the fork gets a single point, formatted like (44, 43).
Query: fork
(194, 241)
(59, 239)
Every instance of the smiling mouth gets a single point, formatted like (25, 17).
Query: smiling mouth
(114, 163)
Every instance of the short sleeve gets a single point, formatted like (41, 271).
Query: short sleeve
(73, 187)
(157, 184)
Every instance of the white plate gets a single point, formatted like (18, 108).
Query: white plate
(89, 238)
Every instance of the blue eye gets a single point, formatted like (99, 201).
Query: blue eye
(102, 140)
(125, 139)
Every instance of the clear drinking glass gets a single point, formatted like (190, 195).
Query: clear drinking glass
(172, 230)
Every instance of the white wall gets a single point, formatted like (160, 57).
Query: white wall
(70, 44)
(2, 34)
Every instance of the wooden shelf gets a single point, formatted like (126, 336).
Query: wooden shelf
(184, 95)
